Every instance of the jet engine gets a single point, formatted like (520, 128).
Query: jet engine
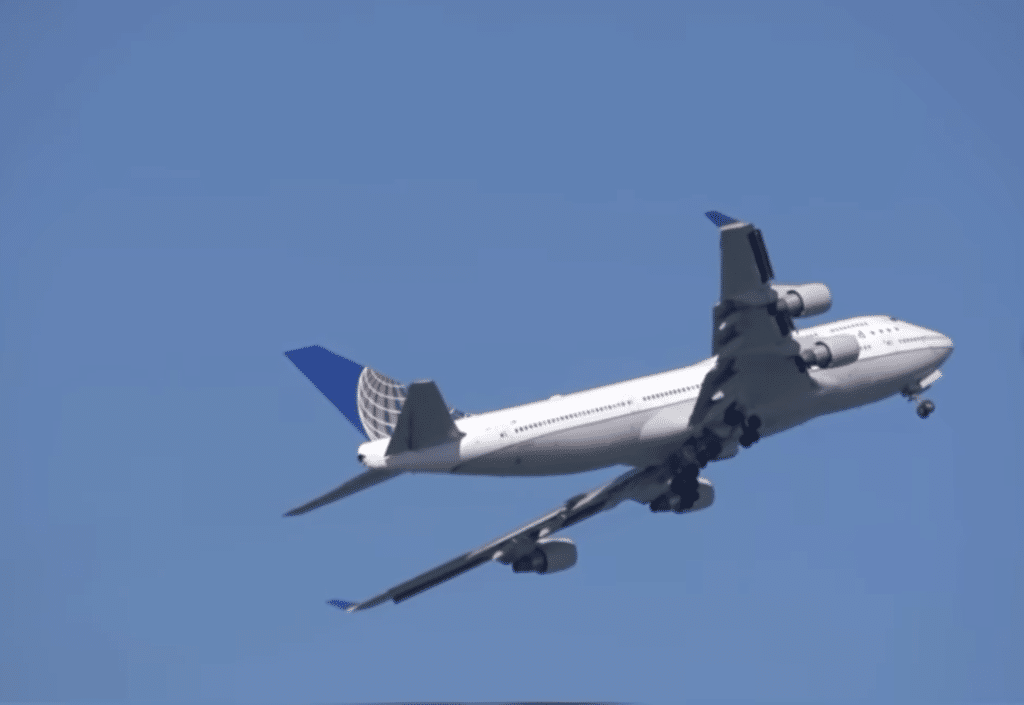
(802, 300)
(550, 556)
(833, 351)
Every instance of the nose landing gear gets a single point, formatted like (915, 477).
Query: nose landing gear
(913, 392)
(925, 407)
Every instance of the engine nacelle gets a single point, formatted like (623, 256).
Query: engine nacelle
(833, 351)
(550, 556)
(802, 300)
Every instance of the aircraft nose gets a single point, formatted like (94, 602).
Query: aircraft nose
(945, 344)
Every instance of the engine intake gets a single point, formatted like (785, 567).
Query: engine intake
(802, 300)
(834, 351)
(550, 556)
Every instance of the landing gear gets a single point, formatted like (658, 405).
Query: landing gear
(697, 451)
(925, 407)
(661, 504)
(733, 416)
(683, 488)
(710, 449)
(674, 503)
(684, 485)
(750, 435)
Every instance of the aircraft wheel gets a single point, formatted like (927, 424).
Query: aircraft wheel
(925, 408)
(660, 504)
(749, 439)
(753, 423)
(684, 485)
(686, 502)
(712, 447)
(733, 416)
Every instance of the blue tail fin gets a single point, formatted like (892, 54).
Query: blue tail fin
(368, 399)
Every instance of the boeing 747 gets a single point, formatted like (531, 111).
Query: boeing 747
(764, 376)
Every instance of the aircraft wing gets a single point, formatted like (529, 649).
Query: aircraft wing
(756, 355)
(641, 485)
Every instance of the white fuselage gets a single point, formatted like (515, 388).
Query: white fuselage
(639, 421)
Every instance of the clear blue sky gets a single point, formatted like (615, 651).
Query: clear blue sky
(506, 198)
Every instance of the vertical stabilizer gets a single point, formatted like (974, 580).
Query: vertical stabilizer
(369, 400)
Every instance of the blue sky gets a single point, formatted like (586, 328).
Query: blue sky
(507, 199)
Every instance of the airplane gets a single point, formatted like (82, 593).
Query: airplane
(764, 376)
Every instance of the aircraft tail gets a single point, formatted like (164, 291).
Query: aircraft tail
(371, 401)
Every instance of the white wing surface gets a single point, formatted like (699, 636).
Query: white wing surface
(757, 357)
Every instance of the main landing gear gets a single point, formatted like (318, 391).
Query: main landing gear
(686, 466)
(750, 425)
(683, 492)
(750, 435)
(695, 454)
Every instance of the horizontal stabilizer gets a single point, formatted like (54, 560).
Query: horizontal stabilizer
(425, 421)
(342, 604)
(357, 483)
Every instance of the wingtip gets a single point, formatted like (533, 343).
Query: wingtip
(720, 219)
(343, 604)
(297, 511)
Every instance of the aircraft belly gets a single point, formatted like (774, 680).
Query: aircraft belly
(667, 423)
